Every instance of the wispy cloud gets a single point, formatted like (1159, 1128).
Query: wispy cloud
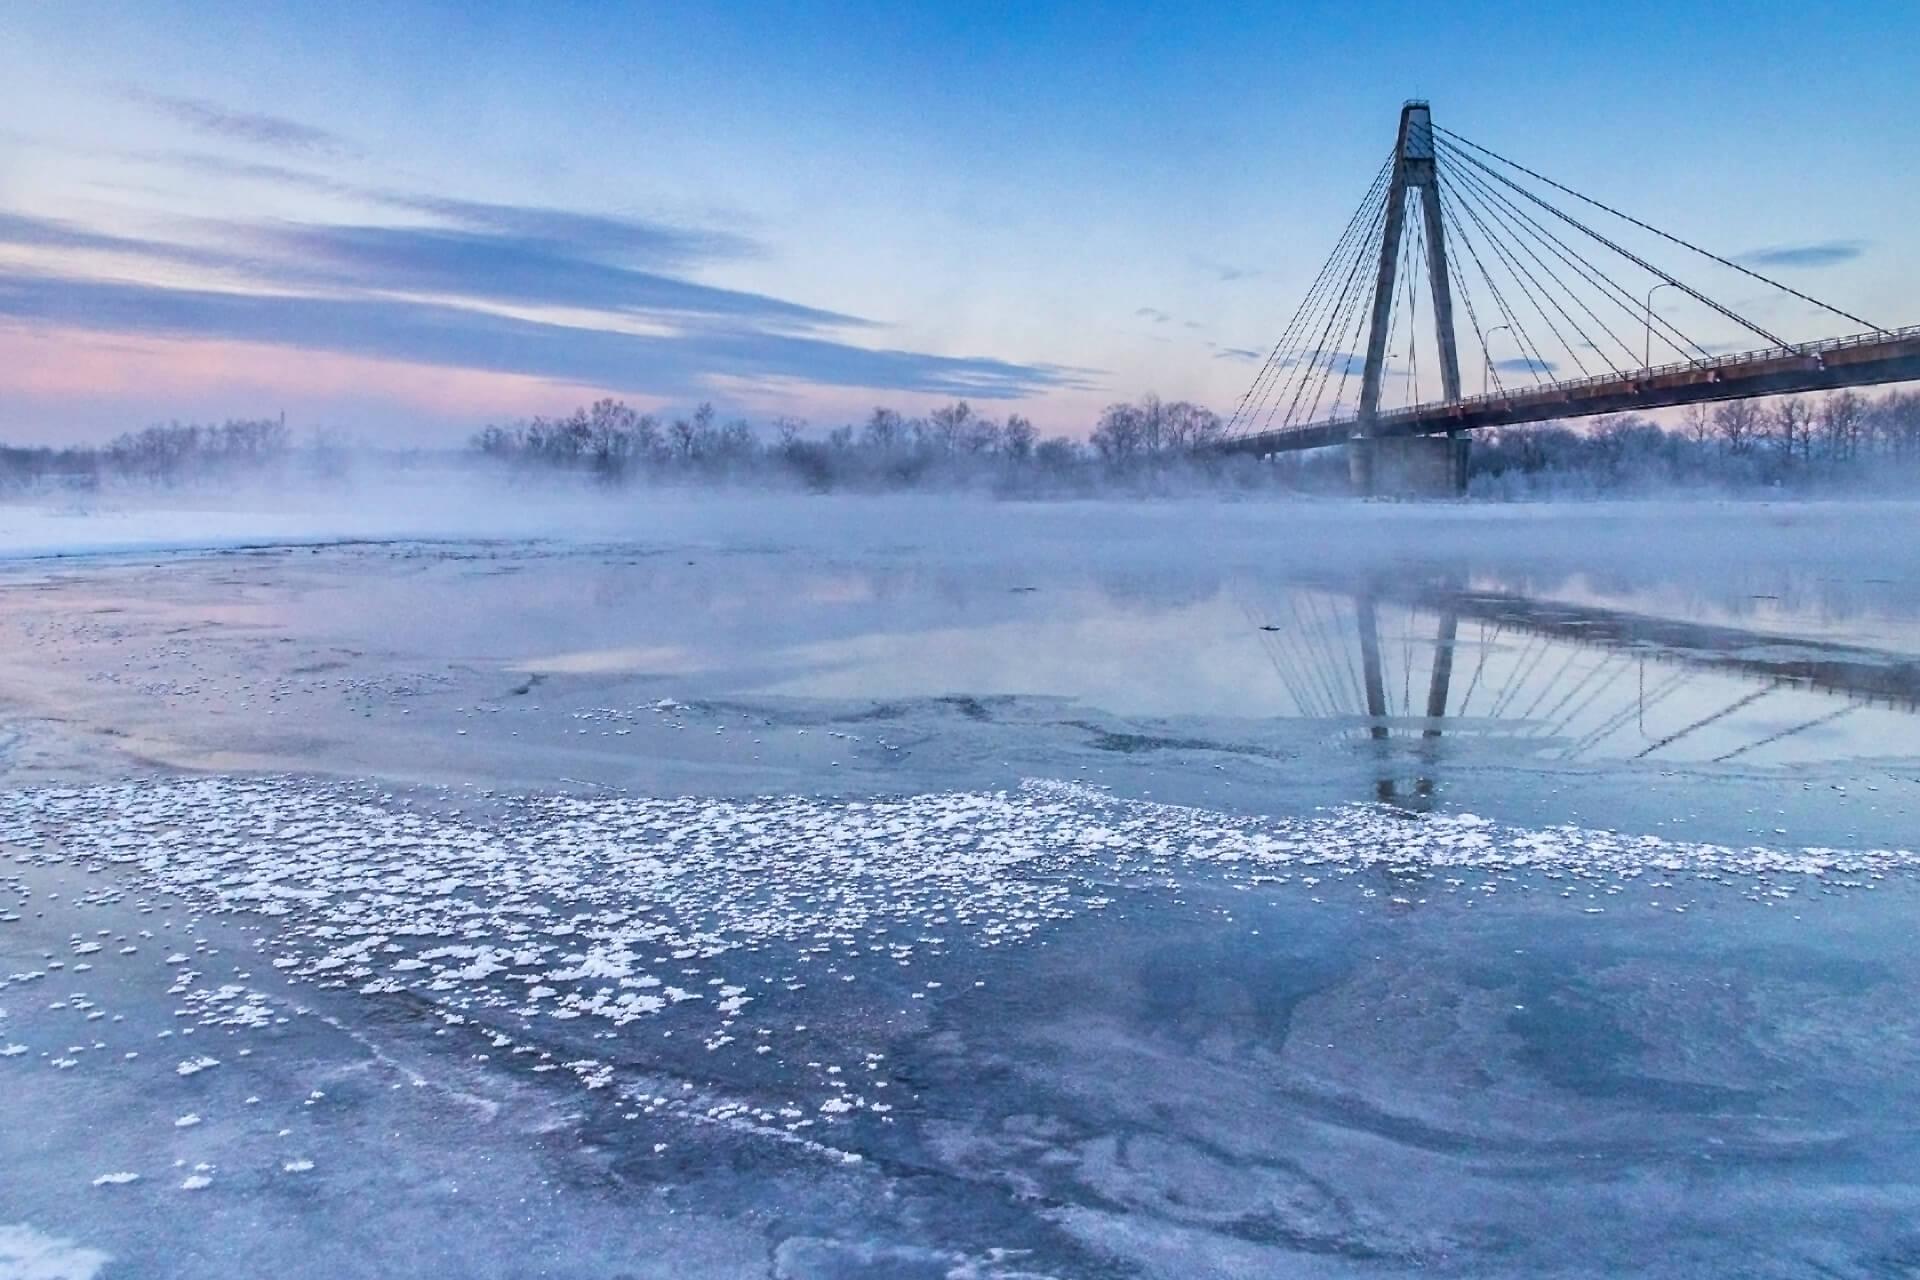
(501, 270)
(1235, 353)
(573, 296)
(24, 231)
(1347, 362)
(635, 240)
(459, 337)
(216, 165)
(1224, 272)
(512, 269)
(251, 127)
(1524, 364)
(1153, 315)
(1825, 253)
(660, 244)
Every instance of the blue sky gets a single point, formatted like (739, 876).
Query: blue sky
(408, 219)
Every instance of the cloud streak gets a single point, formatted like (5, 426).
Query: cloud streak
(512, 269)
(1225, 272)
(457, 337)
(1825, 253)
(594, 299)
(473, 266)
(250, 127)
(659, 244)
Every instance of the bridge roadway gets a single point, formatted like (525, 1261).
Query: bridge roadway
(1863, 360)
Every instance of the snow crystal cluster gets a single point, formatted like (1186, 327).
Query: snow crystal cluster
(573, 913)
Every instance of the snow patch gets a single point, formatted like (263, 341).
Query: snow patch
(26, 1254)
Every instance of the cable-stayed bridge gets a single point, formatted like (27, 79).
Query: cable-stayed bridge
(1571, 282)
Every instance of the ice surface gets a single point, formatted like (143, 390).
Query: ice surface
(813, 949)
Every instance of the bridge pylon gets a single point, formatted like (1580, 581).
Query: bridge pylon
(1415, 465)
(1504, 242)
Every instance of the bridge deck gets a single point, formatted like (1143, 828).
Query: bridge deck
(1862, 360)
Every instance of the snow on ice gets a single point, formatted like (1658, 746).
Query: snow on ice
(607, 910)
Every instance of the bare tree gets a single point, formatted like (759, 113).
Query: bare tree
(1738, 424)
(885, 430)
(1843, 418)
(1017, 437)
(1791, 424)
(1697, 423)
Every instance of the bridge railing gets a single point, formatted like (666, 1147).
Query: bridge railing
(1730, 360)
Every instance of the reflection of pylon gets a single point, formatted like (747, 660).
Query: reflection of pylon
(1439, 692)
(1413, 170)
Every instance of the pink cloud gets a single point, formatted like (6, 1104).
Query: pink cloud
(55, 376)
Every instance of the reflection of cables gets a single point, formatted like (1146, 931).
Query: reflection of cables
(1772, 738)
(1281, 663)
(1520, 683)
(1623, 666)
(1612, 723)
(1704, 721)
(1406, 667)
(1486, 647)
(1319, 667)
(1573, 651)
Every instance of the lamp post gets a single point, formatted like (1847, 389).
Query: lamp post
(1646, 355)
(1486, 349)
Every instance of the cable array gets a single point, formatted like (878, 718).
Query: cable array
(1573, 293)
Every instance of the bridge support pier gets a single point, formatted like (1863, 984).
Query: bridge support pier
(1408, 466)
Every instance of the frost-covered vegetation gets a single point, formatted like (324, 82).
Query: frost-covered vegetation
(1837, 442)
(168, 453)
(1147, 442)
(1833, 444)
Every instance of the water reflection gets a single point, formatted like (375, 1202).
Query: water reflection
(1384, 656)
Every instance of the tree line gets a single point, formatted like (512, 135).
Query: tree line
(167, 453)
(952, 446)
(1843, 440)
(1840, 440)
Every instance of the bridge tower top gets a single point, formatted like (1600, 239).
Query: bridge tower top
(1416, 131)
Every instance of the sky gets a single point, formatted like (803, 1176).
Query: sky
(405, 220)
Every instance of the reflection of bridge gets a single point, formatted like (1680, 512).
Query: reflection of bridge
(1577, 683)
(1563, 292)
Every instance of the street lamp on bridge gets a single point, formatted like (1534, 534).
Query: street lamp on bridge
(1646, 355)
(1486, 350)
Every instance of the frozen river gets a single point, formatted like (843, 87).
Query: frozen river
(957, 889)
